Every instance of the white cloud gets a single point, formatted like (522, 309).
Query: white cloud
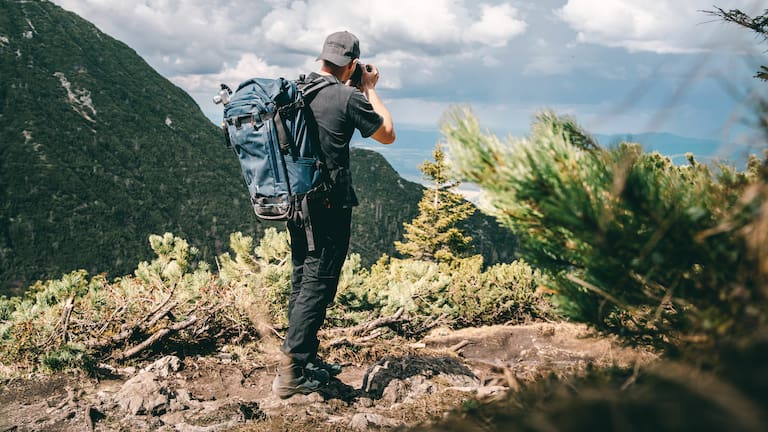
(505, 57)
(199, 43)
(547, 65)
(176, 36)
(435, 26)
(247, 67)
(497, 25)
(165, 27)
(661, 26)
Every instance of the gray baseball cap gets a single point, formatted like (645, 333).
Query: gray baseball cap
(340, 48)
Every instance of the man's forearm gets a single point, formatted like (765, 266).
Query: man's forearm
(386, 133)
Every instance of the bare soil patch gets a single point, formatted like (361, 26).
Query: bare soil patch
(230, 393)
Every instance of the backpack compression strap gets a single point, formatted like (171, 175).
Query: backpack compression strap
(308, 92)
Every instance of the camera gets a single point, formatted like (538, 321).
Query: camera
(223, 96)
(357, 76)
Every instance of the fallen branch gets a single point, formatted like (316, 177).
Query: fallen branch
(431, 323)
(66, 313)
(145, 323)
(347, 342)
(372, 336)
(364, 328)
(103, 328)
(160, 314)
(358, 342)
(455, 348)
(160, 334)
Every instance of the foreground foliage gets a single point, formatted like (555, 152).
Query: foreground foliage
(174, 303)
(663, 397)
(76, 321)
(635, 245)
(663, 255)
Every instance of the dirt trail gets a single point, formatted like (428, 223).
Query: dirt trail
(217, 393)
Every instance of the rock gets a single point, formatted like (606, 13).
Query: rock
(251, 411)
(392, 377)
(142, 394)
(364, 421)
(220, 427)
(164, 367)
(395, 391)
(174, 418)
(419, 386)
(487, 391)
(364, 402)
(216, 415)
(148, 392)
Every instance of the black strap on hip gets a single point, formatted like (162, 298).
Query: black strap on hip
(306, 220)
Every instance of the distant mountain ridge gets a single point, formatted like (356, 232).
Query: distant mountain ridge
(420, 144)
(98, 151)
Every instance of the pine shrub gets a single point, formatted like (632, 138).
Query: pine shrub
(632, 243)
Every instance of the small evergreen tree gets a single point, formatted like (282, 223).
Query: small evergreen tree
(434, 235)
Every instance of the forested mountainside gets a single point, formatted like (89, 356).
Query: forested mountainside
(98, 151)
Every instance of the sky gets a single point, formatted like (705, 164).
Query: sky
(616, 66)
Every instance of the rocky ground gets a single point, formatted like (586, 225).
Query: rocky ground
(227, 392)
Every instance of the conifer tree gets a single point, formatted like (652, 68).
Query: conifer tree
(632, 243)
(434, 235)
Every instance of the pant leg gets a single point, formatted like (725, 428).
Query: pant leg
(298, 255)
(318, 280)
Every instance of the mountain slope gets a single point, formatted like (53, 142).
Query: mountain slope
(98, 151)
(387, 200)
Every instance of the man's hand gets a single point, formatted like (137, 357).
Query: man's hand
(370, 77)
(386, 132)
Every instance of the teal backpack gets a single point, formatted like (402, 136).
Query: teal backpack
(270, 128)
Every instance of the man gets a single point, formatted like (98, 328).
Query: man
(338, 110)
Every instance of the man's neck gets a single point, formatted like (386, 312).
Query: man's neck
(327, 73)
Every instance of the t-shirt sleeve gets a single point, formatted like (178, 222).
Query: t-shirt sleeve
(366, 120)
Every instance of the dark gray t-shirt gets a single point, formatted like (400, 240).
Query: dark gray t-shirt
(339, 110)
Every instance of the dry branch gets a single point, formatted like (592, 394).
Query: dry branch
(117, 311)
(364, 328)
(361, 335)
(457, 347)
(145, 323)
(431, 323)
(66, 313)
(160, 314)
(155, 314)
(348, 342)
(158, 335)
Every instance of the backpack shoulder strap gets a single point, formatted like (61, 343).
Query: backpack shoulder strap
(309, 88)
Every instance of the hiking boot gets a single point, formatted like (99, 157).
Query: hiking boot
(318, 366)
(291, 380)
(317, 373)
